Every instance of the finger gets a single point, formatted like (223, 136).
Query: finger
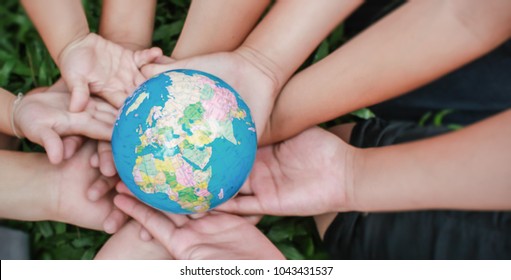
(242, 205)
(105, 117)
(151, 70)
(114, 221)
(101, 187)
(178, 219)
(84, 124)
(159, 226)
(146, 56)
(116, 99)
(53, 145)
(71, 145)
(103, 106)
(123, 189)
(145, 235)
(253, 219)
(197, 216)
(79, 93)
(139, 79)
(164, 60)
(245, 189)
(94, 160)
(106, 159)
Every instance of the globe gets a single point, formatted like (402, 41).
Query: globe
(184, 142)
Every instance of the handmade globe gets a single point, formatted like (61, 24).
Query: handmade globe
(184, 142)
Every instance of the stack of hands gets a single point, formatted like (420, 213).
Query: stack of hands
(311, 172)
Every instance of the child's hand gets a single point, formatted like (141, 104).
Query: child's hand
(306, 175)
(44, 117)
(103, 67)
(242, 71)
(68, 183)
(214, 236)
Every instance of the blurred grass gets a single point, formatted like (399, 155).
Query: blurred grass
(25, 64)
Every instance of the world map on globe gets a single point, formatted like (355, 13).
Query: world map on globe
(184, 142)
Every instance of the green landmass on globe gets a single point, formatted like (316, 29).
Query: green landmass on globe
(176, 133)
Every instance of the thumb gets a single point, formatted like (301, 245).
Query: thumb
(146, 56)
(79, 94)
(242, 205)
(53, 145)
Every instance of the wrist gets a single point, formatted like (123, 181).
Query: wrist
(125, 40)
(77, 38)
(264, 64)
(14, 115)
(355, 165)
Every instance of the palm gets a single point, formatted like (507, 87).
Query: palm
(44, 117)
(214, 236)
(221, 236)
(70, 204)
(104, 68)
(257, 88)
(301, 176)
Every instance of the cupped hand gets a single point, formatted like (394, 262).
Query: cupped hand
(44, 118)
(94, 64)
(214, 236)
(69, 182)
(126, 245)
(306, 175)
(247, 74)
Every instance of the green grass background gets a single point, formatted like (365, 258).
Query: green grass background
(25, 64)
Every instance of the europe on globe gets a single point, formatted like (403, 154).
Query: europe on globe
(184, 142)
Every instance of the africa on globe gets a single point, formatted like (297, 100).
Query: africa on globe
(184, 142)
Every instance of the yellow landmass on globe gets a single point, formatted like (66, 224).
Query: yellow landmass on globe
(137, 102)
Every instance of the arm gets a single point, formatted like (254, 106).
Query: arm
(463, 170)
(271, 53)
(280, 50)
(22, 197)
(466, 169)
(6, 106)
(44, 119)
(219, 25)
(59, 22)
(128, 23)
(416, 44)
(32, 189)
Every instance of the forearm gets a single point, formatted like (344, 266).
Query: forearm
(468, 169)
(6, 106)
(416, 44)
(59, 22)
(291, 31)
(128, 26)
(216, 26)
(23, 193)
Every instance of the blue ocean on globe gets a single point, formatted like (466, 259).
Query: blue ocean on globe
(184, 142)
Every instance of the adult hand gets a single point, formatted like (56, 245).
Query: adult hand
(103, 67)
(240, 69)
(214, 236)
(306, 175)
